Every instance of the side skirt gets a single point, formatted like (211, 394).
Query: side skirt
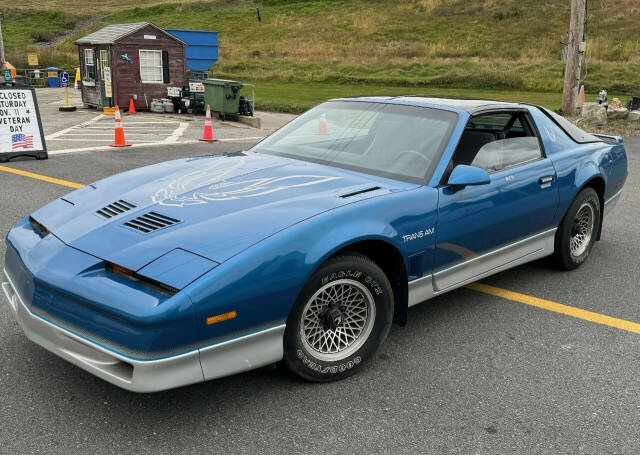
(470, 270)
(610, 203)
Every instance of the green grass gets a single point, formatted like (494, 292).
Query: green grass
(296, 98)
(468, 74)
(412, 46)
(22, 28)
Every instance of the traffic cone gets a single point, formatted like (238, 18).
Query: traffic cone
(322, 124)
(132, 107)
(207, 133)
(119, 132)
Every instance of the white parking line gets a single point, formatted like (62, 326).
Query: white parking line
(150, 122)
(149, 144)
(99, 128)
(90, 135)
(105, 148)
(110, 127)
(178, 132)
(66, 130)
(97, 139)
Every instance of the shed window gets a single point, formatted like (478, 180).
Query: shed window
(89, 65)
(151, 66)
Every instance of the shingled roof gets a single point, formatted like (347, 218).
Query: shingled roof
(111, 33)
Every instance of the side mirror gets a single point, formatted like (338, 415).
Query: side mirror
(463, 175)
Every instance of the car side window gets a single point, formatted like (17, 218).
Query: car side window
(505, 153)
(498, 141)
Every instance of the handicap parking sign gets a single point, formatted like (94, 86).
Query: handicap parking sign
(64, 79)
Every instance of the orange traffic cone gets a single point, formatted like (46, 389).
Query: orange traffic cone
(207, 133)
(322, 124)
(132, 107)
(119, 132)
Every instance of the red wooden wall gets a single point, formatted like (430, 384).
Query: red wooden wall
(126, 79)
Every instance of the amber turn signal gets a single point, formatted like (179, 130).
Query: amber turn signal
(221, 317)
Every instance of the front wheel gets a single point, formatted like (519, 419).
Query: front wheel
(578, 231)
(341, 317)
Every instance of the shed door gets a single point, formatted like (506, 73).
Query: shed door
(105, 76)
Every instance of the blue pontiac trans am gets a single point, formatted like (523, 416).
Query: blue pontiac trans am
(307, 247)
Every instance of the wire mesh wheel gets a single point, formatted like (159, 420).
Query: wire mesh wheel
(582, 229)
(337, 320)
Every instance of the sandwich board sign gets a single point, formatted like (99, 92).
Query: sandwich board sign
(20, 125)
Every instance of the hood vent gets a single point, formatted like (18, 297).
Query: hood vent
(150, 222)
(115, 209)
(355, 193)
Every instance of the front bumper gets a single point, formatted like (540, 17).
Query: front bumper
(221, 359)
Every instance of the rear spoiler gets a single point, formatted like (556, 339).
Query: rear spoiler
(609, 138)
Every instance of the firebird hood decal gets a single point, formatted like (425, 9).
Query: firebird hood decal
(199, 187)
(225, 204)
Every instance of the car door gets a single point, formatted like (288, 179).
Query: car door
(486, 228)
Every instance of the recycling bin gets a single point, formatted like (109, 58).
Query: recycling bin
(52, 76)
(222, 95)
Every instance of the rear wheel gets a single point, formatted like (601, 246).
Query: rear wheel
(341, 317)
(578, 231)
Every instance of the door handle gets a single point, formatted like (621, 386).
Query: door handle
(545, 179)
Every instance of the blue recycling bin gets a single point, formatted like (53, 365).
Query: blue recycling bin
(52, 76)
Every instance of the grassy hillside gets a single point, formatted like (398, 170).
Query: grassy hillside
(484, 44)
(296, 97)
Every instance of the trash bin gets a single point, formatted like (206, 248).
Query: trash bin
(52, 76)
(222, 95)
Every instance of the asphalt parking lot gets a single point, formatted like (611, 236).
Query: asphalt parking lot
(472, 372)
(87, 129)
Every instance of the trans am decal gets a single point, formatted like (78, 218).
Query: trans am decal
(418, 234)
(210, 184)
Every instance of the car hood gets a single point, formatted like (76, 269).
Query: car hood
(213, 206)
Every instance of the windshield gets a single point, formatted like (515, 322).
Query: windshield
(389, 140)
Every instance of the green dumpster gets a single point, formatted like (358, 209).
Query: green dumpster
(222, 95)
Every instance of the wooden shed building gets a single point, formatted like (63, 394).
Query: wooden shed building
(123, 61)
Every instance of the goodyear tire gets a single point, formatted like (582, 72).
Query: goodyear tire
(339, 320)
(578, 231)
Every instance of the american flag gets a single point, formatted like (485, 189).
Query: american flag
(21, 141)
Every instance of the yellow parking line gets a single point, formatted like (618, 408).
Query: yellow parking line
(479, 287)
(44, 178)
(557, 307)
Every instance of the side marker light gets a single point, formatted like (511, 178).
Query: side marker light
(221, 317)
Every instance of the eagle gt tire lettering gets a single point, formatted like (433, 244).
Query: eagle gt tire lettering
(341, 317)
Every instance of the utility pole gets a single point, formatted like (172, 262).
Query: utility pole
(2, 60)
(575, 55)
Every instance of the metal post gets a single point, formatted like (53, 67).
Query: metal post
(2, 60)
(575, 53)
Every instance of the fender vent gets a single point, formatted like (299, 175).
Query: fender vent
(150, 222)
(115, 209)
